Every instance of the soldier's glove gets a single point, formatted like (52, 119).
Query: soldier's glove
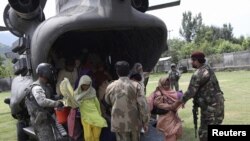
(58, 104)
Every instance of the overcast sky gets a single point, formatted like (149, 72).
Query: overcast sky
(214, 12)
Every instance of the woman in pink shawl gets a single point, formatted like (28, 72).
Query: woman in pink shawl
(163, 97)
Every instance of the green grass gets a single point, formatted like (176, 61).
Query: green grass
(7, 122)
(235, 85)
(236, 88)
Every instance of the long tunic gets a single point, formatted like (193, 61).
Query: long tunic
(129, 105)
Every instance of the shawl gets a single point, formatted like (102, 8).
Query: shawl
(89, 93)
(68, 94)
(170, 123)
(169, 94)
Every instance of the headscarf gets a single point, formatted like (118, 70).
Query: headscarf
(166, 91)
(170, 123)
(89, 93)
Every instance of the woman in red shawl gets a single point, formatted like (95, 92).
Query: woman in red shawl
(163, 97)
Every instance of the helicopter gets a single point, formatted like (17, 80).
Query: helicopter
(112, 29)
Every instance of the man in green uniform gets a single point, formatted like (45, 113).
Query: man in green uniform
(129, 113)
(39, 104)
(174, 76)
(206, 93)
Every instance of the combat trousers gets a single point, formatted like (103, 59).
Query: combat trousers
(207, 119)
(211, 116)
(174, 85)
(44, 131)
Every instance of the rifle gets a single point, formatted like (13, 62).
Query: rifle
(195, 115)
(196, 106)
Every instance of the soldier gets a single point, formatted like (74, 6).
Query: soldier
(38, 101)
(174, 76)
(206, 93)
(129, 112)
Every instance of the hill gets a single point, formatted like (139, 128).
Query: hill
(7, 38)
(4, 48)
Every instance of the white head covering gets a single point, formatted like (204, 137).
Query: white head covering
(89, 93)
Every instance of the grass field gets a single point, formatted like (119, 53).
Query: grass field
(235, 85)
(7, 123)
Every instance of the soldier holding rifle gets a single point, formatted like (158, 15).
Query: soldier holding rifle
(206, 93)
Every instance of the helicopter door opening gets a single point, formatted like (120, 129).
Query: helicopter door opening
(107, 47)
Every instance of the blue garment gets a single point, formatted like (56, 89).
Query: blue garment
(106, 134)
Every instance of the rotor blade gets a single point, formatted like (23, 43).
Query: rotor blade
(160, 6)
(2, 28)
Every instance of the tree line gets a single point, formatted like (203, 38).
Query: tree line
(6, 67)
(209, 39)
(196, 36)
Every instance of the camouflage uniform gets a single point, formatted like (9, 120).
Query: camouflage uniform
(36, 103)
(205, 90)
(129, 108)
(174, 76)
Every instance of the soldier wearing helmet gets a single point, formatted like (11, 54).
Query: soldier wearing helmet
(39, 103)
(174, 76)
(46, 71)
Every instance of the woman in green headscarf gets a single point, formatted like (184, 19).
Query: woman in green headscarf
(91, 118)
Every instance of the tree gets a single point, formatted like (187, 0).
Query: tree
(6, 67)
(227, 32)
(204, 34)
(188, 49)
(175, 46)
(239, 40)
(190, 26)
(246, 43)
(1, 60)
(2, 71)
(225, 46)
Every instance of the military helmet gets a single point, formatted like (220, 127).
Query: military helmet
(45, 70)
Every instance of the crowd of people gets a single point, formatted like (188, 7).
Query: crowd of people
(118, 110)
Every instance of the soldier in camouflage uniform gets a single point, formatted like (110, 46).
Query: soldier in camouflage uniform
(174, 76)
(129, 113)
(206, 93)
(38, 101)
